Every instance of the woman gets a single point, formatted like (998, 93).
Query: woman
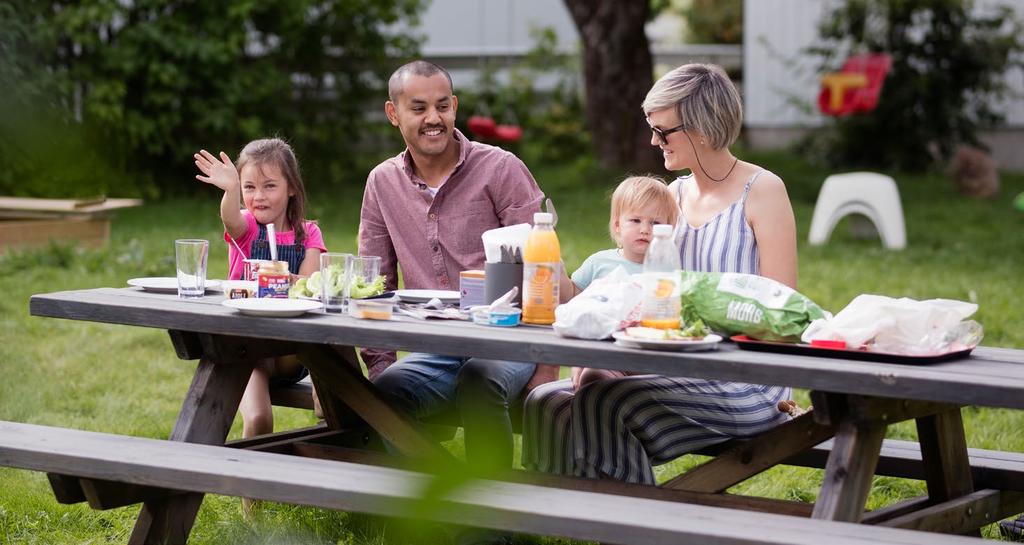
(735, 217)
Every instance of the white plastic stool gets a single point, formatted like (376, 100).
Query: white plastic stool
(868, 193)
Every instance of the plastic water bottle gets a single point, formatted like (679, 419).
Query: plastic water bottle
(542, 270)
(661, 303)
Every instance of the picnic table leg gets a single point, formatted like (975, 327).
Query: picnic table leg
(338, 381)
(750, 458)
(944, 454)
(947, 466)
(205, 417)
(849, 471)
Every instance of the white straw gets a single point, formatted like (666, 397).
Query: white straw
(272, 239)
(237, 247)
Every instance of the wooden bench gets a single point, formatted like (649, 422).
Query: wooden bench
(509, 506)
(299, 395)
(989, 468)
(37, 222)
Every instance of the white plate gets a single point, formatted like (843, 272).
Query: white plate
(422, 296)
(282, 308)
(707, 343)
(166, 284)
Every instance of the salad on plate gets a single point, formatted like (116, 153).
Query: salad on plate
(359, 286)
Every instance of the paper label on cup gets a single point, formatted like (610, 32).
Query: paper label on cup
(273, 285)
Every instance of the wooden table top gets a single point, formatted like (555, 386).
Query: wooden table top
(988, 377)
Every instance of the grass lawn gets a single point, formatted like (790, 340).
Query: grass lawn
(127, 380)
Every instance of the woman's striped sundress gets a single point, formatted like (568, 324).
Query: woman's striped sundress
(622, 427)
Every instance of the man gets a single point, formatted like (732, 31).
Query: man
(424, 210)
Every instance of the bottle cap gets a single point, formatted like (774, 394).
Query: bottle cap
(542, 217)
(662, 229)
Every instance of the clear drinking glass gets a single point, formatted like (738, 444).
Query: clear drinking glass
(190, 260)
(334, 278)
(362, 269)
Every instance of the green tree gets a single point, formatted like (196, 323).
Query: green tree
(142, 85)
(714, 21)
(949, 58)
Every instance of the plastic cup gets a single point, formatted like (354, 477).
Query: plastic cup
(190, 261)
(334, 277)
(249, 268)
(363, 269)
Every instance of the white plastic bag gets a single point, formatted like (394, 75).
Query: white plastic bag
(607, 305)
(900, 326)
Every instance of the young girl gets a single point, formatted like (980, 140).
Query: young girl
(638, 204)
(266, 179)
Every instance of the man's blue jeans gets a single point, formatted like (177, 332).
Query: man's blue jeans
(427, 384)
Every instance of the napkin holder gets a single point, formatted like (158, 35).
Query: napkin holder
(501, 277)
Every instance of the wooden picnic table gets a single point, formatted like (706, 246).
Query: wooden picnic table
(854, 403)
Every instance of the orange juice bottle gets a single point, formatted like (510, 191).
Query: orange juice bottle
(542, 270)
(661, 303)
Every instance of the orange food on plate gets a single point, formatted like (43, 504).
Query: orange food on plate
(661, 323)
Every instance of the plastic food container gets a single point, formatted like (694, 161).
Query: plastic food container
(369, 309)
(500, 318)
(238, 289)
(273, 279)
(471, 289)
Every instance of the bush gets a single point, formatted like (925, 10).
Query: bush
(130, 90)
(949, 65)
(554, 128)
(714, 21)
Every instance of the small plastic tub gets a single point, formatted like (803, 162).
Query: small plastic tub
(500, 318)
(238, 289)
(369, 309)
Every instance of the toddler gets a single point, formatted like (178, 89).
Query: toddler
(638, 204)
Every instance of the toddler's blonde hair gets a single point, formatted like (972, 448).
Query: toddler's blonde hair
(638, 192)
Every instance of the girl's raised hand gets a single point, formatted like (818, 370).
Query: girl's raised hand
(219, 172)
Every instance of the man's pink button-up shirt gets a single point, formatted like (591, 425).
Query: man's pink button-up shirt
(434, 238)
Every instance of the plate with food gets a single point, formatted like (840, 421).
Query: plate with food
(649, 338)
(275, 307)
(448, 297)
(166, 284)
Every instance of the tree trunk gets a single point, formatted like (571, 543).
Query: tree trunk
(618, 72)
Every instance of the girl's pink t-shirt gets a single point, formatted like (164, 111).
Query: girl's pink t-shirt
(314, 239)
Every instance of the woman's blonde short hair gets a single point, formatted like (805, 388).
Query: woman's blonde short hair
(638, 192)
(705, 99)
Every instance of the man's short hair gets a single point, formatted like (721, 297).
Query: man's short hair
(415, 68)
(705, 99)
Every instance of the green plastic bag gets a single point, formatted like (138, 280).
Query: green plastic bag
(747, 304)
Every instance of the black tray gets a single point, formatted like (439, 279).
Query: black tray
(747, 343)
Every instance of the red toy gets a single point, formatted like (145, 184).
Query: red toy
(508, 133)
(482, 127)
(856, 88)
